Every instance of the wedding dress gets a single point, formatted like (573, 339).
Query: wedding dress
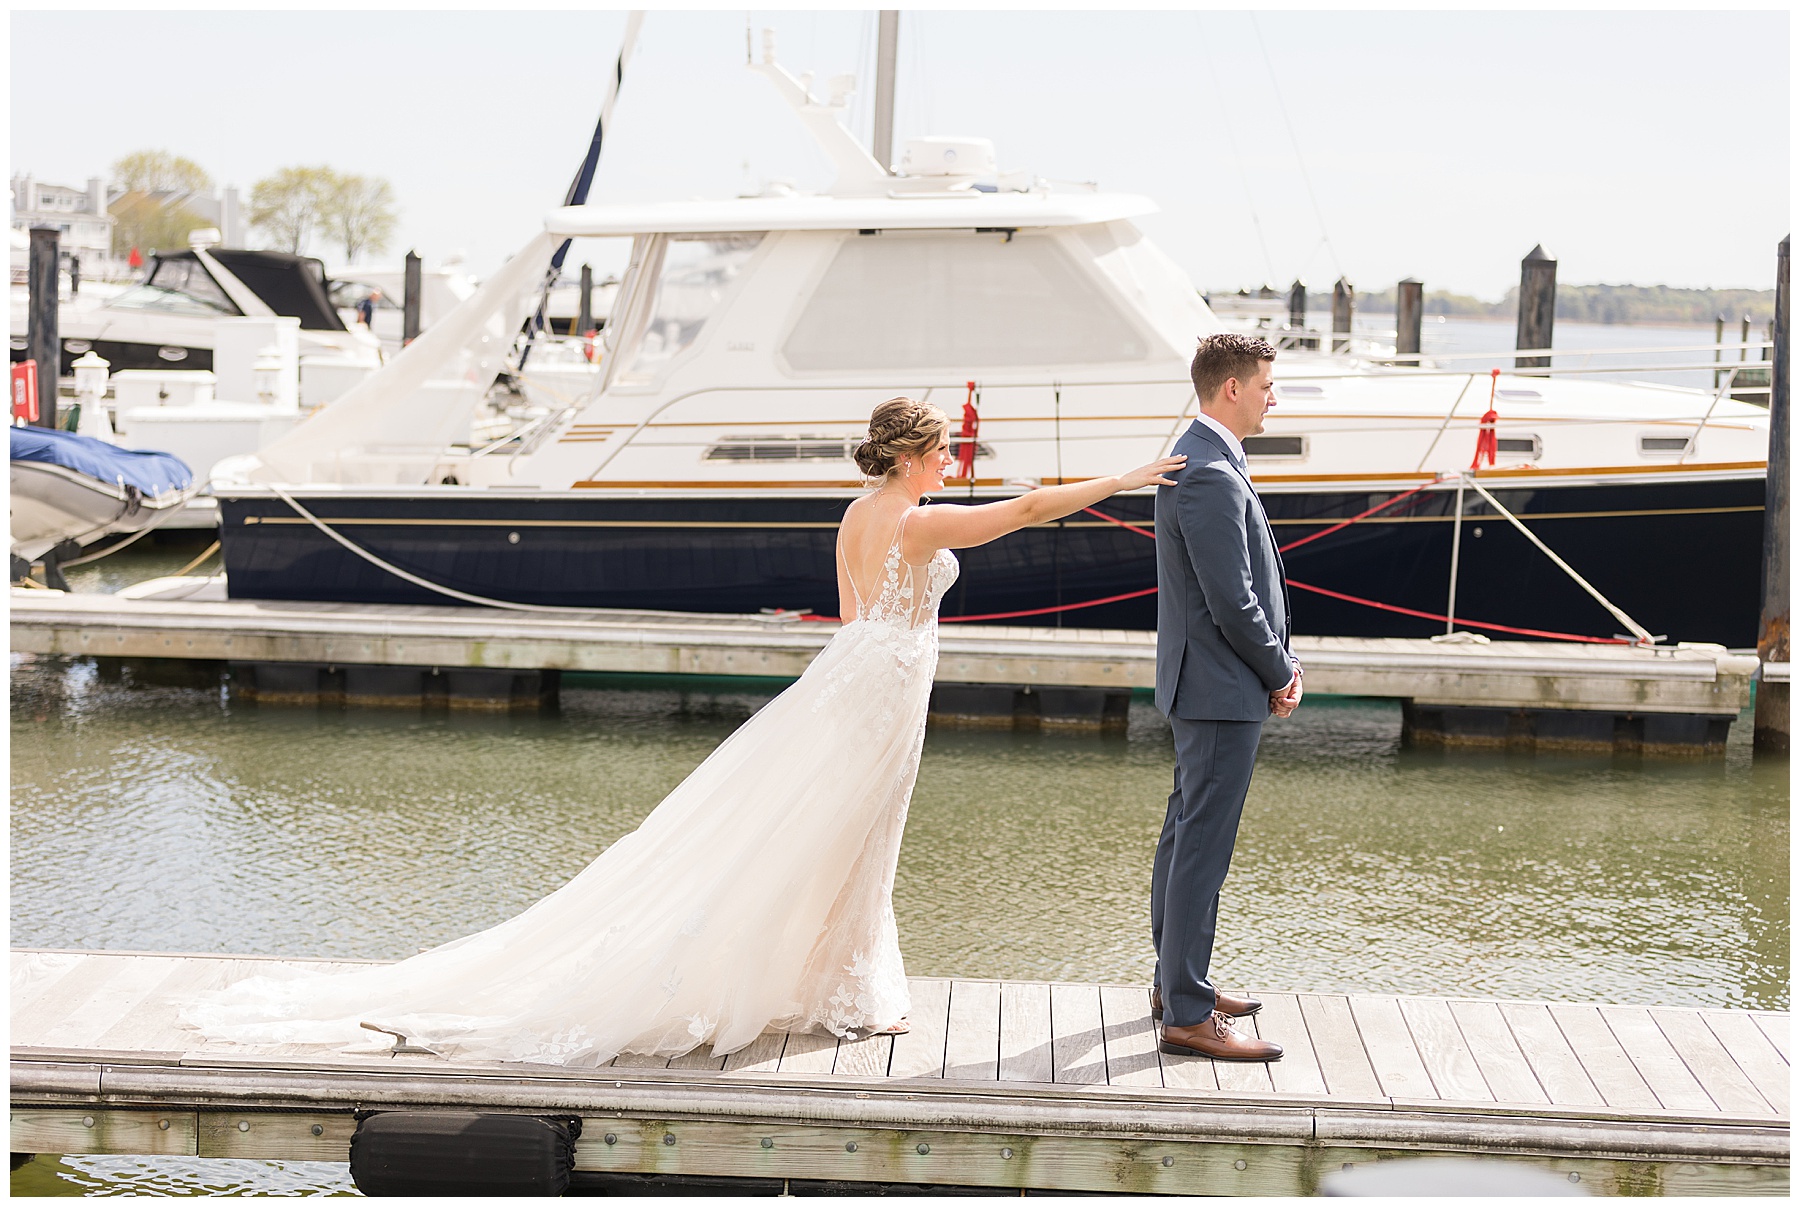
(758, 894)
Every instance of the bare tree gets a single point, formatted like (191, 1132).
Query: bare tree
(159, 172)
(288, 206)
(360, 214)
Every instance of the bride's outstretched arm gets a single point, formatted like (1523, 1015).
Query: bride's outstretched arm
(965, 527)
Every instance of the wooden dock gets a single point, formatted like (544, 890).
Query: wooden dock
(1476, 694)
(999, 1084)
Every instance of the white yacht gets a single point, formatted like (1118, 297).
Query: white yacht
(707, 462)
(167, 320)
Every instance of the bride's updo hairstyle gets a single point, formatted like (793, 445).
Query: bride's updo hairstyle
(900, 427)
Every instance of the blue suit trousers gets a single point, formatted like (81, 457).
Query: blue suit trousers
(1213, 762)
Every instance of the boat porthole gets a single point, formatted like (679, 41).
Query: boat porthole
(77, 346)
(512, 538)
(171, 352)
(1478, 531)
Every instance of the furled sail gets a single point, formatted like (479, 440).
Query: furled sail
(394, 426)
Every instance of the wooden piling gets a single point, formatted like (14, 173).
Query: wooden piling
(584, 321)
(1772, 636)
(1409, 316)
(1343, 304)
(887, 49)
(1297, 312)
(1537, 307)
(1718, 349)
(409, 330)
(42, 341)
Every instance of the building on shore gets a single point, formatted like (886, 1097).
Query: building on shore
(87, 226)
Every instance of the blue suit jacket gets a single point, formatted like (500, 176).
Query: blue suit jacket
(1222, 638)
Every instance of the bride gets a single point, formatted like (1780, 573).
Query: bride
(758, 894)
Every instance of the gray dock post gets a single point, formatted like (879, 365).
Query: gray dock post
(42, 341)
(1537, 306)
(415, 287)
(1409, 317)
(887, 49)
(1772, 635)
(584, 320)
(1343, 305)
(75, 285)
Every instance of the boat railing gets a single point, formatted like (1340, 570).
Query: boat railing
(1456, 414)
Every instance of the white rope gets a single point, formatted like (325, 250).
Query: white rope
(414, 579)
(1637, 630)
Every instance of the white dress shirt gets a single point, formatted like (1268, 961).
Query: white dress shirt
(1232, 443)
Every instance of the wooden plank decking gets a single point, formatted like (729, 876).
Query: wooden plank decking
(998, 1083)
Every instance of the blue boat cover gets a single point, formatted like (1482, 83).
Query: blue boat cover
(152, 473)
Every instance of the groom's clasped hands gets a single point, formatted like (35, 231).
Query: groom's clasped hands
(1284, 702)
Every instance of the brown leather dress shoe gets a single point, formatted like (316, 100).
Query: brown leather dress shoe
(1237, 1007)
(1216, 1039)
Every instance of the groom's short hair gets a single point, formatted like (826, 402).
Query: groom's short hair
(1224, 355)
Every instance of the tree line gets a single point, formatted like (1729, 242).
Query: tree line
(288, 209)
(1592, 304)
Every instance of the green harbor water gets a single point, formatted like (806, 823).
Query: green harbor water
(179, 819)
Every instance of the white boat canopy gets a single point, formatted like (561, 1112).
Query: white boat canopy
(957, 210)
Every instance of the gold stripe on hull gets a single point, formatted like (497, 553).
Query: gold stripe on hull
(1469, 517)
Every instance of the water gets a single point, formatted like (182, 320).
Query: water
(177, 819)
(1622, 344)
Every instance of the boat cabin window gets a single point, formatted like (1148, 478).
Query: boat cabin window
(781, 448)
(697, 271)
(1654, 445)
(802, 448)
(178, 287)
(1519, 446)
(1275, 448)
(957, 301)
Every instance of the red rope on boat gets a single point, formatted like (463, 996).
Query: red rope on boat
(1113, 519)
(1474, 624)
(1363, 515)
(1355, 599)
(1087, 603)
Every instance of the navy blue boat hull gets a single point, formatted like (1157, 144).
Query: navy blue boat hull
(1683, 558)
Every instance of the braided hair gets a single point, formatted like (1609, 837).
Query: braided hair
(900, 427)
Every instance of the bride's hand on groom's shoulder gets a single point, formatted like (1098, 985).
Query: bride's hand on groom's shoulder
(1154, 474)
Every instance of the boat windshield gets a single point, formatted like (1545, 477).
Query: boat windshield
(957, 301)
(178, 287)
(697, 271)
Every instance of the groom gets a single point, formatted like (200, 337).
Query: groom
(1223, 666)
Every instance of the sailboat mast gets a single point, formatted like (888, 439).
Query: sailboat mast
(887, 47)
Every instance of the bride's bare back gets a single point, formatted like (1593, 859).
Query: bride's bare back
(871, 527)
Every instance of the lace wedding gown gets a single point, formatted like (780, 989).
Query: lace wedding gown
(757, 894)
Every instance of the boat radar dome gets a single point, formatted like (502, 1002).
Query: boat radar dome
(965, 157)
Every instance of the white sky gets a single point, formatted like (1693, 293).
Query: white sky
(1644, 147)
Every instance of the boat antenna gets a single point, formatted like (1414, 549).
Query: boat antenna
(584, 175)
